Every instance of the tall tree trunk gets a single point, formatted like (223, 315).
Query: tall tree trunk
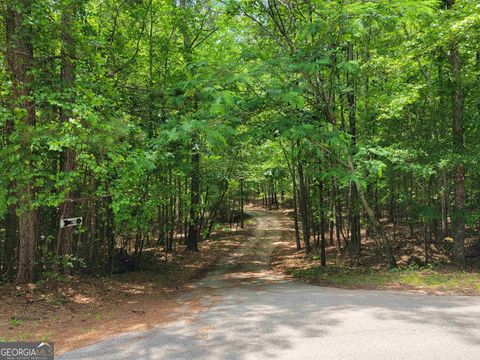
(355, 240)
(459, 170)
(458, 228)
(19, 56)
(65, 235)
(193, 225)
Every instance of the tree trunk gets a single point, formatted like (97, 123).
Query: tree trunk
(28, 235)
(19, 56)
(355, 240)
(241, 202)
(192, 239)
(459, 170)
(65, 235)
(11, 240)
(337, 210)
(304, 209)
(444, 201)
(292, 170)
(458, 228)
(295, 211)
(323, 253)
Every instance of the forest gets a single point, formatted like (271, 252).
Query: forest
(158, 121)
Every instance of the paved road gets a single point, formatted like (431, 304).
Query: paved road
(245, 311)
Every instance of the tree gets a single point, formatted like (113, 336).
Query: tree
(20, 63)
(67, 75)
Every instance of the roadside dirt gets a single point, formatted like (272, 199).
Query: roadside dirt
(286, 258)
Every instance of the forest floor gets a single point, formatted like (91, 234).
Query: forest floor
(75, 311)
(370, 270)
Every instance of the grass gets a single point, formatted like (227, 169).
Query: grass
(14, 321)
(430, 279)
(46, 338)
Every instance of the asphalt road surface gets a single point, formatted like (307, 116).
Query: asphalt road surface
(246, 311)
